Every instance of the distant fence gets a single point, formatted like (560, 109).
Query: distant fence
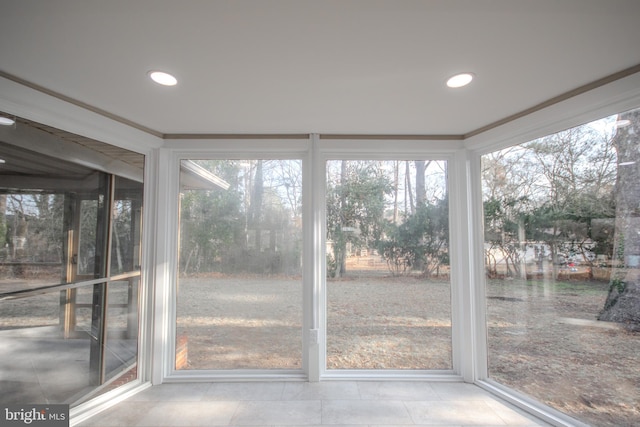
(602, 274)
(30, 270)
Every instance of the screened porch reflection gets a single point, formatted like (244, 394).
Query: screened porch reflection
(69, 266)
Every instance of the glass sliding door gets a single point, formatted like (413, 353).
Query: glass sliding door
(121, 342)
(69, 267)
(239, 290)
(562, 255)
(388, 287)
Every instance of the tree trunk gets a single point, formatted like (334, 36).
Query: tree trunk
(396, 175)
(522, 247)
(340, 244)
(421, 191)
(256, 204)
(3, 220)
(20, 237)
(623, 302)
(408, 190)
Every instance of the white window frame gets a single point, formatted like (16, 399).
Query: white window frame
(205, 149)
(314, 153)
(397, 148)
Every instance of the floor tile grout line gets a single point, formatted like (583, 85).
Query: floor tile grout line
(235, 412)
(404, 403)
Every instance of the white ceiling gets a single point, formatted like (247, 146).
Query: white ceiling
(326, 66)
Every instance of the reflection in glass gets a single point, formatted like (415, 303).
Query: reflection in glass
(54, 220)
(86, 256)
(239, 296)
(122, 320)
(31, 230)
(561, 251)
(388, 288)
(36, 365)
(126, 221)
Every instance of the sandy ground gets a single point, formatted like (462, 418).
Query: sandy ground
(545, 341)
(372, 323)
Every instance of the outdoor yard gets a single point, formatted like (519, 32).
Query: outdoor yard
(543, 336)
(544, 339)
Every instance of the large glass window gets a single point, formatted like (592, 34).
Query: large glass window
(239, 293)
(69, 268)
(126, 216)
(388, 287)
(562, 251)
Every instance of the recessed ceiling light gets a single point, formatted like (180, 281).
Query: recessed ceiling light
(6, 121)
(163, 78)
(460, 80)
(2, 161)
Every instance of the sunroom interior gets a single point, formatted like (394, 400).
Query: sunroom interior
(311, 204)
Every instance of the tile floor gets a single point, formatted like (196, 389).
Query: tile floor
(343, 403)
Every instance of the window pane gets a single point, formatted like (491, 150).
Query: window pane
(86, 256)
(121, 346)
(562, 251)
(127, 218)
(34, 231)
(85, 223)
(31, 237)
(388, 289)
(36, 363)
(239, 296)
(54, 217)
